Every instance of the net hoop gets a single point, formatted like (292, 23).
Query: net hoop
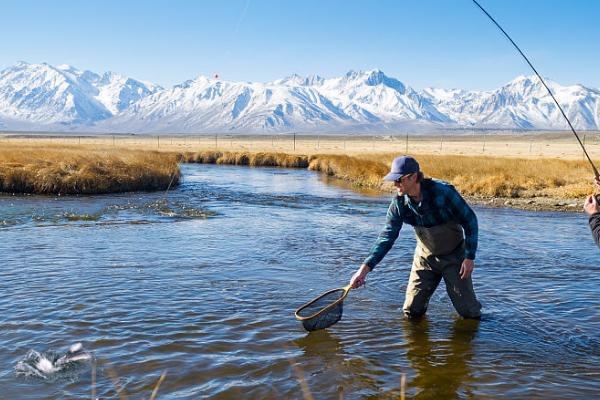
(346, 289)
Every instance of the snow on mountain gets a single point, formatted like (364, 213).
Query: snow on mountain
(40, 96)
(43, 94)
(522, 103)
(206, 104)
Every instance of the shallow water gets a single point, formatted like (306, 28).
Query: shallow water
(202, 283)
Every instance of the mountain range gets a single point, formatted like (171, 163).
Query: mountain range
(62, 98)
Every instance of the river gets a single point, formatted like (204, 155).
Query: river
(203, 282)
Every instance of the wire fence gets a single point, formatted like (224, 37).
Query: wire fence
(548, 145)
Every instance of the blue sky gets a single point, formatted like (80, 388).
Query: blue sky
(423, 43)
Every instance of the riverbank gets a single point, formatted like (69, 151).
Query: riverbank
(70, 170)
(529, 184)
(524, 183)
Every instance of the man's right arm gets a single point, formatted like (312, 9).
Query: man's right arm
(387, 237)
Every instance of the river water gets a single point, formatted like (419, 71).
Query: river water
(203, 284)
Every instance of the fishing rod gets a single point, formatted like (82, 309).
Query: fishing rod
(543, 83)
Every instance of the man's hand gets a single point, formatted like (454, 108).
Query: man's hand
(466, 269)
(360, 276)
(591, 206)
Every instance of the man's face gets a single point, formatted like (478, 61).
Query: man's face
(406, 184)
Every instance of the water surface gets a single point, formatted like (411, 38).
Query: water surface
(202, 283)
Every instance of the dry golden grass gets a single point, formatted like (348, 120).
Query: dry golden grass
(476, 176)
(531, 145)
(508, 177)
(358, 171)
(53, 168)
(260, 159)
(72, 170)
(473, 176)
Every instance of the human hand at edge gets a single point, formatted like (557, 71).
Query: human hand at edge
(591, 206)
(360, 276)
(466, 269)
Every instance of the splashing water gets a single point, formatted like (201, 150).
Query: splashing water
(51, 366)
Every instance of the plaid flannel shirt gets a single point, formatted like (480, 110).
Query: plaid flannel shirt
(440, 203)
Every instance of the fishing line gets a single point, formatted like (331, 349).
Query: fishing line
(543, 83)
(173, 175)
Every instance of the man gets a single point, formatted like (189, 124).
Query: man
(592, 208)
(439, 216)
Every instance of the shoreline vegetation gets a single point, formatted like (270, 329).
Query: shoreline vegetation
(532, 184)
(70, 170)
(39, 167)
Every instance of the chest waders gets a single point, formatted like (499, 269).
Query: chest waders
(439, 254)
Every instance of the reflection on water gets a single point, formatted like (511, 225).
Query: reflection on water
(203, 282)
(442, 368)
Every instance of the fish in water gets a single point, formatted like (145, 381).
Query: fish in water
(49, 364)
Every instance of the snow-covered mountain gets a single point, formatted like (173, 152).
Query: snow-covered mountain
(522, 103)
(43, 97)
(294, 103)
(40, 94)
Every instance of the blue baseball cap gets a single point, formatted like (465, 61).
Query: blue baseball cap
(401, 166)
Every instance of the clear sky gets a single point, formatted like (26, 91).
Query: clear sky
(442, 43)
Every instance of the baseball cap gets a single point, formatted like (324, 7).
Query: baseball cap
(401, 166)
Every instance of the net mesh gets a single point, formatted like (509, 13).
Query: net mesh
(322, 317)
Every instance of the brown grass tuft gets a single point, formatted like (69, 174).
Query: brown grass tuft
(68, 170)
(261, 159)
(360, 172)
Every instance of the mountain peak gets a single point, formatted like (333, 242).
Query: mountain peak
(299, 80)
(375, 77)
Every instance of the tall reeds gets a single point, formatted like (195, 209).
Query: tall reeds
(81, 170)
(508, 177)
(261, 159)
(69, 170)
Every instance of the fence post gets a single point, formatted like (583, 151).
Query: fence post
(483, 149)
(294, 141)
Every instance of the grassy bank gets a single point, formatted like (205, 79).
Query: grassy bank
(525, 183)
(73, 170)
(540, 183)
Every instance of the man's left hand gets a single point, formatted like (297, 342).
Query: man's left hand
(466, 269)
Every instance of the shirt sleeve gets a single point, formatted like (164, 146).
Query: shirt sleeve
(467, 219)
(387, 237)
(595, 227)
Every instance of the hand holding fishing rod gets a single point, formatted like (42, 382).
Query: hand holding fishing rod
(592, 202)
(592, 209)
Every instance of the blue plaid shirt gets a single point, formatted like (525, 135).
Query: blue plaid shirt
(440, 203)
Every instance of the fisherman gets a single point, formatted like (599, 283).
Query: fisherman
(446, 231)
(592, 208)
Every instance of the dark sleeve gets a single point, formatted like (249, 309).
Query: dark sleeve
(387, 237)
(467, 219)
(595, 226)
